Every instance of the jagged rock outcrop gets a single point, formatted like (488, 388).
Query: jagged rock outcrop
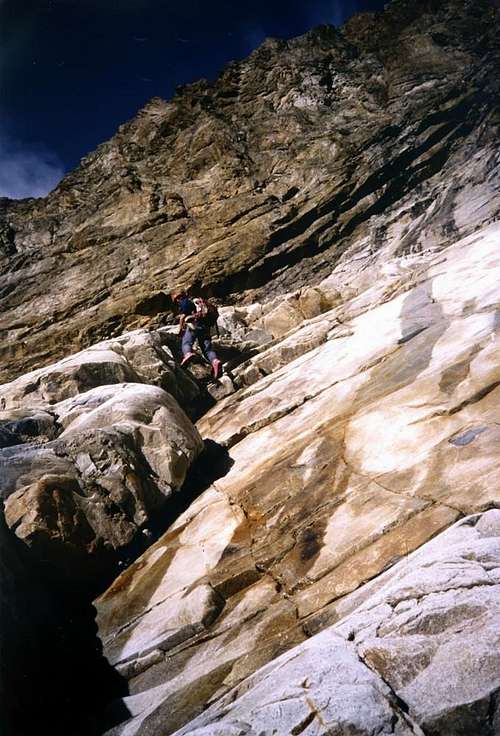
(380, 434)
(377, 139)
(91, 452)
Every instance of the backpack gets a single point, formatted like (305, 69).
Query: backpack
(207, 312)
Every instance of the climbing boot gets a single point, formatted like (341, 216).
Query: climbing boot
(216, 368)
(187, 358)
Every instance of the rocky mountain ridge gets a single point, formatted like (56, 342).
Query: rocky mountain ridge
(310, 545)
(379, 137)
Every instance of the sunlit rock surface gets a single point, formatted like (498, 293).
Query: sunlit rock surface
(141, 356)
(418, 654)
(345, 460)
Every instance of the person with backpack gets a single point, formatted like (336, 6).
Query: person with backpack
(198, 316)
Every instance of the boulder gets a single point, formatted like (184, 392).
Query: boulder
(138, 357)
(78, 499)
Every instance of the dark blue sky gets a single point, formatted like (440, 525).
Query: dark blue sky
(71, 71)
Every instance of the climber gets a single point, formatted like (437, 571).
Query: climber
(197, 317)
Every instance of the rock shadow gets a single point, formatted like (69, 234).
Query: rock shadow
(213, 463)
(54, 678)
(422, 323)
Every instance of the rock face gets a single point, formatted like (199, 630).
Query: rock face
(337, 571)
(379, 138)
(417, 654)
(87, 460)
(378, 431)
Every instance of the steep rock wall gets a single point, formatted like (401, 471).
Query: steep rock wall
(345, 457)
(379, 137)
(341, 190)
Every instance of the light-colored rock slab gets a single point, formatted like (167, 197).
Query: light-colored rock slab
(419, 655)
(321, 688)
(345, 459)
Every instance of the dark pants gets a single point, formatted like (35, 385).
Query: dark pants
(202, 335)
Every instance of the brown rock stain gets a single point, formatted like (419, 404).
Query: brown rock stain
(453, 376)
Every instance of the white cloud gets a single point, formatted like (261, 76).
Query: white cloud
(27, 171)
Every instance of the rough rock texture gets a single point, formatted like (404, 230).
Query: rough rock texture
(136, 357)
(341, 191)
(87, 461)
(378, 138)
(379, 435)
(418, 654)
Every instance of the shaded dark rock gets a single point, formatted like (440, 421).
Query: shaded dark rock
(53, 677)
